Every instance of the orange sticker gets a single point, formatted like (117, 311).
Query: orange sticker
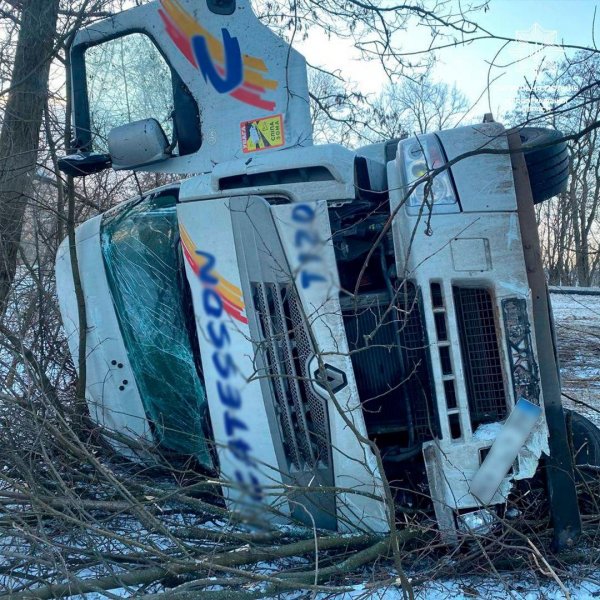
(262, 134)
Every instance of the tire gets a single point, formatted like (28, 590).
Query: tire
(548, 166)
(584, 439)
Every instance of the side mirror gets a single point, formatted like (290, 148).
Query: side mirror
(83, 163)
(138, 144)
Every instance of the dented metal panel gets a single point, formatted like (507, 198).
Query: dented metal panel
(438, 253)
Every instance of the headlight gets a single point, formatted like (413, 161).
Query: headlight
(421, 155)
(479, 522)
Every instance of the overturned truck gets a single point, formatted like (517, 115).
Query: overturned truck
(304, 320)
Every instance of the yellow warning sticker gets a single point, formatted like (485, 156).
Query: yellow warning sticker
(262, 134)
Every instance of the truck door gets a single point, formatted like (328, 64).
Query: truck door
(207, 81)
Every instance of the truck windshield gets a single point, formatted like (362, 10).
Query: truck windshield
(143, 261)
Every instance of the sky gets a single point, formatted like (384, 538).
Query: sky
(558, 21)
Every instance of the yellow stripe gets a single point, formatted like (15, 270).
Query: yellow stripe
(230, 288)
(257, 79)
(190, 27)
(234, 299)
(187, 240)
(255, 63)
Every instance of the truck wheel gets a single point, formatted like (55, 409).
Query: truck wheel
(584, 438)
(548, 166)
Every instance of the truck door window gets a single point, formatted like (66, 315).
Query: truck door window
(128, 80)
(146, 275)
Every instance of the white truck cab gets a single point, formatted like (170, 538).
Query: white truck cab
(286, 303)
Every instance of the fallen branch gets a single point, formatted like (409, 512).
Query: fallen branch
(241, 557)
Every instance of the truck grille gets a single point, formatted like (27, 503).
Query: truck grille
(481, 356)
(388, 377)
(287, 348)
(415, 347)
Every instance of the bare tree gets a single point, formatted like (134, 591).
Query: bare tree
(20, 132)
(416, 106)
(566, 96)
(335, 110)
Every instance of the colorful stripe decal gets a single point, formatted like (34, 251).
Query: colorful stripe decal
(220, 58)
(230, 295)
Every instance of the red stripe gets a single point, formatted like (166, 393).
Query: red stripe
(230, 308)
(190, 259)
(229, 303)
(178, 37)
(252, 86)
(249, 98)
(244, 93)
(236, 315)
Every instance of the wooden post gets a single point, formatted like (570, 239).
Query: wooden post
(561, 483)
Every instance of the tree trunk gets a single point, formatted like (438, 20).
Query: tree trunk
(19, 137)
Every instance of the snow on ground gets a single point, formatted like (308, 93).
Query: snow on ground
(479, 589)
(577, 324)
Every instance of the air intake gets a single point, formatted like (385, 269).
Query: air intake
(280, 177)
(298, 415)
(481, 356)
(388, 347)
(302, 414)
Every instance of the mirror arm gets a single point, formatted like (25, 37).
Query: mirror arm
(81, 164)
(174, 142)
